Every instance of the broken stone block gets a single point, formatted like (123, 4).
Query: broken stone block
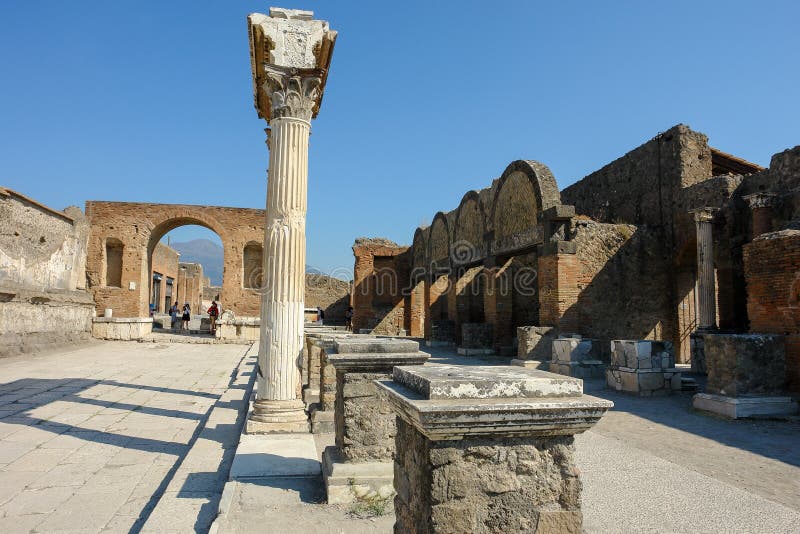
(466, 462)
(642, 354)
(364, 421)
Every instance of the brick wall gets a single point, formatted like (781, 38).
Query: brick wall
(140, 226)
(380, 283)
(772, 271)
(165, 263)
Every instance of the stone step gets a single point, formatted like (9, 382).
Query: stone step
(688, 384)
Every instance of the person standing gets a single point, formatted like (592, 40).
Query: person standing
(186, 317)
(320, 315)
(213, 313)
(348, 319)
(173, 315)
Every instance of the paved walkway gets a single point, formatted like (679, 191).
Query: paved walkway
(93, 439)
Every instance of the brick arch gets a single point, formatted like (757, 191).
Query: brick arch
(140, 226)
(536, 188)
(439, 242)
(470, 229)
(419, 249)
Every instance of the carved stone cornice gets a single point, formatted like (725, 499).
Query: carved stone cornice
(292, 92)
(760, 200)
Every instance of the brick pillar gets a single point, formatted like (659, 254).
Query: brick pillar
(761, 205)
(417, 309)
(363, 290)
(559, 271)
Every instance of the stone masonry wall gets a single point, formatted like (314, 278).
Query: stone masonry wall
(772, 270)
(365, 422)
(43, 300)
(472, 479)
(380, 275)
(623, 283)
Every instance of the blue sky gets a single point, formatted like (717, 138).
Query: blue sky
(151, 100)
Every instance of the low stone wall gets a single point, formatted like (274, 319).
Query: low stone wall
(238, 329)
(121, 328)
(643, 367)
(36, 320)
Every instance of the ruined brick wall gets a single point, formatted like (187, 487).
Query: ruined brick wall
(772, 270)
(622, 283)
(43, 301)
(165, 263)
(641, 186)
(381, 277)
(140, 226)
(190, 286)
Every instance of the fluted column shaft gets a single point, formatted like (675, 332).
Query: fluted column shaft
(281, 341)
(706, 292)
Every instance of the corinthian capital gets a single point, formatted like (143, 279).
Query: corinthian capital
(292, 92)
(290, 55)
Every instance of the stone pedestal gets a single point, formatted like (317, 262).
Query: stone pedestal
(535, 346)
(316, 344)
(746, 376)
(290, 56)
(643, 367)
(577, 357)
(488, 449)
(443, 333)
(360, 465)
(476, 339)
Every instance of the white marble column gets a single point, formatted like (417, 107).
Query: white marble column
(290, 55)
(706, 290)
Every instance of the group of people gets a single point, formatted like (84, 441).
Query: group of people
(183, 316)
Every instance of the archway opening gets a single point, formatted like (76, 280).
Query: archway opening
(186, 266)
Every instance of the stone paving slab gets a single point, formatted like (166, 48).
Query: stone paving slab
(91, 438)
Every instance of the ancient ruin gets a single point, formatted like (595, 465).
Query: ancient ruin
(537, 359)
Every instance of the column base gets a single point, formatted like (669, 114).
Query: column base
(277, 416)
(349, 482)
(737, 407)
(542, 365)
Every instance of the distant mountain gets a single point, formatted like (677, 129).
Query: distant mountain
(210, 254)
(205, 252)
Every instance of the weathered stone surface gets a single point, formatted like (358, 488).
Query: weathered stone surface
(121, 328)
(644, 382)
(484, 485)
(484, 382)
(365, 424)
(364, 344)
(535, 342)
(745, 364)
(477, 335)
(642, 354)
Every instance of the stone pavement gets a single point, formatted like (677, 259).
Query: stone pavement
(118, 436)
(650, 465)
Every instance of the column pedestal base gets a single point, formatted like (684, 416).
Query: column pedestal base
(542, 365)
(277, 416)
(736, 407)
(348, 482)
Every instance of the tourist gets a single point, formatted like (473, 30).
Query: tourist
(320, 315)
(186, 317)
(173, 315)
(213, 313)
(152, 309)
(348, 318)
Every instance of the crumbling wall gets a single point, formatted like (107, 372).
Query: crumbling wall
(380, 286)
(43, 300)
(772, 269)
(622, 283)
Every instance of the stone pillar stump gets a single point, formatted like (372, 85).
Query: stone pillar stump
(360, 465)
(746, 376)
(488, 449)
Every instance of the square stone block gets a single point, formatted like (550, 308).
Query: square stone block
(738, 407)
(567, 350)
(643, 382)
(642, 354)
(535, 342)
(745, 364)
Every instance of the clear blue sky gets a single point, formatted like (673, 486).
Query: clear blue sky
(151, 100)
